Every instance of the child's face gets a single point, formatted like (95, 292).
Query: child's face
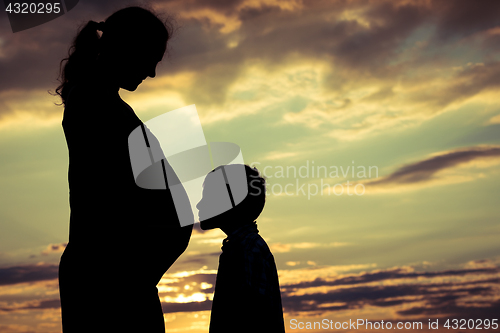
(214, 202)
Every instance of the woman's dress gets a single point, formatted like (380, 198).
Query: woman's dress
(122, 238)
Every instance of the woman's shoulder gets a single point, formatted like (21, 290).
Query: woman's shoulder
(83, 106)
(84, 99)
(79, 96)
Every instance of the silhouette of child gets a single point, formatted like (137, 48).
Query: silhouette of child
(247, 296)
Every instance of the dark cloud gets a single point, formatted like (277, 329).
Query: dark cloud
(54, 248)
(460, 18)
(225, 6)
(469, 81)
(366, 49)
(457, 293)
(373, 47)
(45, 304)
(425, 170)
(205, 259)
(248, 14)
(442, 292)
(28, 273)
(491, 44)
(391, 274)
(56, 304)
(474, 79)
(196, 48)
(360, 53)
(32, 57)
(445, 296)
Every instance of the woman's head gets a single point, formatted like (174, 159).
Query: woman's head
(133, 41)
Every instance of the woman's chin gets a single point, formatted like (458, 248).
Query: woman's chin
(131, 86)
(208, 224)
(203, 225)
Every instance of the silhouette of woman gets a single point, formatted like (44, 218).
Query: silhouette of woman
(122, 238)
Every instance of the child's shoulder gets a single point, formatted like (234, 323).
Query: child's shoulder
(256, 244)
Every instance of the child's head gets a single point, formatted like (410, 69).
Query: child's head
(215, 194)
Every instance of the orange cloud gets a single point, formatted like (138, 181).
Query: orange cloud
(280, 248)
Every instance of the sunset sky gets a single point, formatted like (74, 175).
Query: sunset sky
(314, 93)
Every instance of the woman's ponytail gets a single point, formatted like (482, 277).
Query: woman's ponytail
(82, 56)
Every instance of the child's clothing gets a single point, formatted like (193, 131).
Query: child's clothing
(247, 295)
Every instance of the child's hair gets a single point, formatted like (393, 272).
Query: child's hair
(254, 202)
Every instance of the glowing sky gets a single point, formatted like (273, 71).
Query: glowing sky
(408, 88)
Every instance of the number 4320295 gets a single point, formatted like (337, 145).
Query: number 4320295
(477, 324)
(33, 8)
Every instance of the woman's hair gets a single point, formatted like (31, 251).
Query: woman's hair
(131, 24)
